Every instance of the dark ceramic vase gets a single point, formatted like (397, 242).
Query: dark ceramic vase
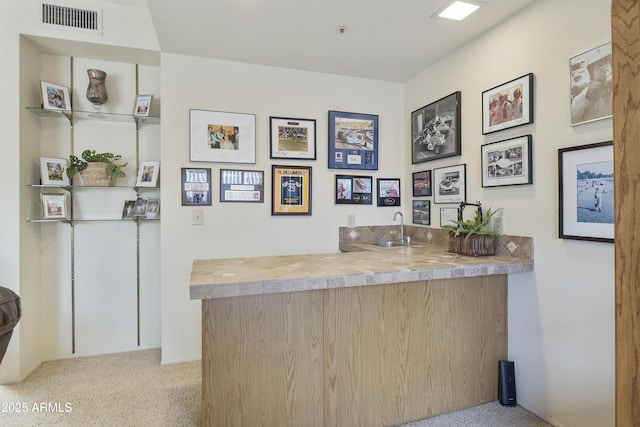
(97, 91)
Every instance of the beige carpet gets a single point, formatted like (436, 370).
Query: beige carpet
(133, 389)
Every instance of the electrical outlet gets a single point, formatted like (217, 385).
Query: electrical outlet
(498, 225)
(197, 217)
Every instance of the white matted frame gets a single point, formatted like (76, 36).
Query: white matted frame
(450, 184)
(143, 105)
(55, 97)
(508, 105)
(54, 206)
(216, 136)
(148, 174)
(53, 171)
(591, 85)
(448, 215)
(507, 162)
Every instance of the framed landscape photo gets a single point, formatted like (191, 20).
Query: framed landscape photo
(591, 85)
(354, 190)
(54, 206)
(291, 192)
(293, 138)
(241, 186)
(388, 191)
(450, 184)
(435, 130)
(55, 97)
(53, 171)
(508, 105)
(196, 186)
(422, 212)
(421, 183)
(586, 192)
(143, 105)
(353, 141)
(216, 136)
(507, 162)
(148, 174)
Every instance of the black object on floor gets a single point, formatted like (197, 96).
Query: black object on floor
(507, 386)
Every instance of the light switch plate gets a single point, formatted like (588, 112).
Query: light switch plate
(197, 217)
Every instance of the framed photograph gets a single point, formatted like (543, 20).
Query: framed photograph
(196, 186)
(448, 215)
(143, 105)
(421, 183)
(450, 184)
(354, 190)
(54, 206)
(507, 162)
(53, 171)
(140, 207)
(590, 84)
(127, 209)
(586, 192)
(293, 138)
(55, 97)
(291, 190)
(388, 191)
(508, 105)
(148, 174)
(435, 130)
(353, 141)
(222, 137)
(153, 209)
(241, 186)
(422, 212)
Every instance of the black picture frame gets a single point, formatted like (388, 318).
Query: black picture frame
(290, 190)
(422, 212)
(450, 184)
(353, 190)
(507, 162)
(422, 183)
(586, 189)
(353, 141)
(388, 191)
(292, 138)
(508, 105)
(241, 186)
(435, 130)
(196, 186)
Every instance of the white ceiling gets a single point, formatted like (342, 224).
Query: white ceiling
(392, 40)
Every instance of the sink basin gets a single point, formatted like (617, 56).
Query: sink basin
(389, 244)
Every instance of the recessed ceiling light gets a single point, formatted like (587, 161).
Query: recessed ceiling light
(458, 10)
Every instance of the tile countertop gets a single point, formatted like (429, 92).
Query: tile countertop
(361, 264)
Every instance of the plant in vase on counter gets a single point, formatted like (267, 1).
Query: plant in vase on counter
(472, 237)
(96, 168)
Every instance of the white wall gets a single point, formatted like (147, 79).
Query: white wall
(561, 316)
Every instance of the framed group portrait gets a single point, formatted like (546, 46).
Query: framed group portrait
(353, 141)
(293, 138)
(435, 130)
(508, 105)
(216, 136)
(354, 190)
(291, 190)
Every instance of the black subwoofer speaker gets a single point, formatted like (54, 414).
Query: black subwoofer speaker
(507, 386)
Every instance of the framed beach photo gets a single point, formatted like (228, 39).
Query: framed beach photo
(148, 174)
(143, 105)
(421, 183)
(450, 184)
(291, 190)
(591, 85)
(422, 212)
(53, 171)
(237, 185)
(353, 190)
(507, 162)
(196, 187)
(508, 105)
(586, 182)
(435, 130)
(293, 138)
(353, 141)
(55, 97)
(222, 137)
(54, 206)
(388, 191)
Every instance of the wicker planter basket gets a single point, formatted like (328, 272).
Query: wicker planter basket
(95, 175)
(476, 245)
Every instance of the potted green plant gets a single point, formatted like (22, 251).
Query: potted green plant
(96, 168)
(472, 237)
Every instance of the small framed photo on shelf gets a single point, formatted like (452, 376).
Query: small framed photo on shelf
(508, 105)
(153, 209)
(196, 186)
(435, 130)
(140, 207)
(217, 136)
(422, 212)
(54, 206)
(507, 162)
(55, 97)
(353, 141)
(148, 174)
(586, 192)
(448, 215)
(293, 138)
(291, 192)
(450, 184)
(143, 105)
(128, 208)
(421, 183)
(388, 191)
(53, 171)
(354, 190)
(591, 85)
(241, 186)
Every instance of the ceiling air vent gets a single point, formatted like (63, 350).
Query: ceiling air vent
(63, 17)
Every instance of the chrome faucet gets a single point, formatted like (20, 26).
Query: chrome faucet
(401, 224)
